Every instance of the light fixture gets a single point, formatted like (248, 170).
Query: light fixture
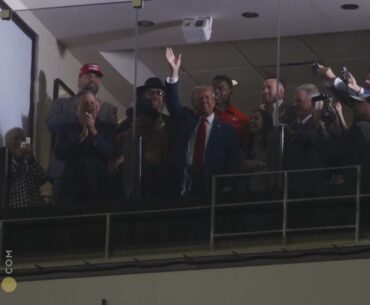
(349, 6)
(250, 15)
(234, 82)
(145, 23)
(197, 29)
(5, 15)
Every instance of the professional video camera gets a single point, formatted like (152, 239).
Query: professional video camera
(327, 113)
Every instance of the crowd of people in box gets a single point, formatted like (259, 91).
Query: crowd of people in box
(94, 156)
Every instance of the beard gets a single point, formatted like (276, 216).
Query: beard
(91, 87)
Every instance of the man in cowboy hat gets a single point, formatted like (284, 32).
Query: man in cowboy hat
(153, 90)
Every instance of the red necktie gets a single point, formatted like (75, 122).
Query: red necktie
(199, 145)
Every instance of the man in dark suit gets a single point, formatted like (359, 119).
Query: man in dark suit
(302, 152)
(302, 147)
(203, 146)
(63, 111)
(86, 146)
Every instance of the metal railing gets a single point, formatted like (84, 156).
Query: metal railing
(285, 201)
(213, 208)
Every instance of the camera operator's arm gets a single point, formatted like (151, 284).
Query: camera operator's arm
(352, 85)
(25, 161)
(339, 110)
(317, 118)
(334, 81)
(326, 73)
(336, 85)
(331, 79)
(35, 170)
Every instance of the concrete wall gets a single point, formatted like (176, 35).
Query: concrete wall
(320, 283)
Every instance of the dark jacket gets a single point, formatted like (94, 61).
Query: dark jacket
(222, 151)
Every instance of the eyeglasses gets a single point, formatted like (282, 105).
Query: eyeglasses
(152, 92)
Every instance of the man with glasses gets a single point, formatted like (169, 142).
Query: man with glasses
(153, 90)
(154, 128)
(63, 111)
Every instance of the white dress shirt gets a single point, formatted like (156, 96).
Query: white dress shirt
(274, 119)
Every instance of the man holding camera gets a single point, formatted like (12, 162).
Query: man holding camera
(353, 147)
(301, 148)
(25, 174)
(348, 91)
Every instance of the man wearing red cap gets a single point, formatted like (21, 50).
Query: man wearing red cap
(64, 111)
(90, 78)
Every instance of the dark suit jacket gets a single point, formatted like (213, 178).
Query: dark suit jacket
(85, 177)
(302, 148)
(352, 148)
(302, 152)
(222, 151)
(62, 112)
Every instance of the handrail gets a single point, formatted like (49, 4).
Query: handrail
(286, 199)
(288, 171)
(126, 213)
(358, 205)
(214, 207)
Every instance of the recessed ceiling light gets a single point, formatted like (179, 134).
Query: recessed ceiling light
(234, 82)
(250, 15)
(349, 6)
(145, 23)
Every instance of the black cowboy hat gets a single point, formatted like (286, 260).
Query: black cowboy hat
(150, 83)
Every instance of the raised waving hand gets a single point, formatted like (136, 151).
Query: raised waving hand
(174, 62)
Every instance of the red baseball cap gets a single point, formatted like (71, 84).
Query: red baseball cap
(91, 68)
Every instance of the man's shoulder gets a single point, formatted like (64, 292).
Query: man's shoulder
(108, 106)
(108, 113)
(240, 114)
(66, 99)
(224, 126)
(63, 104)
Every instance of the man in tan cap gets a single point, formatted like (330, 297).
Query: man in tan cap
(63, 111)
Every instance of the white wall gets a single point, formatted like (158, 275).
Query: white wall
(15, 79)
(322, 283)
(51, 62)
